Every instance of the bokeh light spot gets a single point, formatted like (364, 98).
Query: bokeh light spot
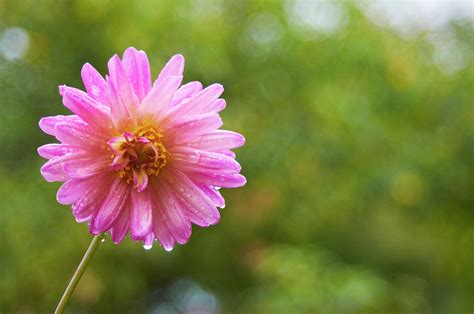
(14, 43)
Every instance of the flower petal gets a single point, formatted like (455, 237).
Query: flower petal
(141, 214)
(86, 107)
(122, 99)
(218, 140)
(215, 178)
(112, 207)
(80, 134)
(137, 69)
(174, 67)
(148, 241)
(191, 127)
(172, 212)
(120, 228)
(140, 179)
(118, 144)
(158, 100)
(161, 231)
(49, 151)
(53, 170)
(199, 208)
(227, 152)
(217, 105)
(213, 195)
(198, 103)
(185, 92)
(84, 164)
(48, 124)
(94, 83)
(90, 202)
(73, 189)
(195, 158)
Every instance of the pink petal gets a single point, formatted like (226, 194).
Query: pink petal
(89, 203)
(120, 161)
(217, 105)
(49, 151)
(191, 127)
(79, 134)
(199, 208)
(185, 92)
(158, 100)
(120, 228)
(48, 124)
(122, 99)
(215, 178)
(112, 207)
(53, 170)
(143, 140)
(148, 241)
(174, 67)
(160, 230)
(227, 152)
(86, 107)
(196, 158)
(140, 180)
(213, 195)
(84, 164)
(198, 103)
(118, 144)
(141, 214)
(172, 213)
(218, 140)
(73, 189)
(94, 83)
(137, 68)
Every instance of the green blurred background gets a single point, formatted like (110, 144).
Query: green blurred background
(359, 125)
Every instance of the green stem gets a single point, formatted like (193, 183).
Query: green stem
(79, 272)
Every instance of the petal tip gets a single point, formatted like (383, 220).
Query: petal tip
(241, 140)
(86, 67)
(130, 50)
(41, 151)
(43, 125)
(244, 180)
(215, 220)
(168, 248)
(62, 89)
(115, 60)
(178, 58)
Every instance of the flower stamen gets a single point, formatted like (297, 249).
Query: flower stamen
(138, 155)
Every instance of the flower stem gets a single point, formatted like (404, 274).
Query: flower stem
(79, 272)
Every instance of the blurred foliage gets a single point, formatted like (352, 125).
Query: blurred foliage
(358, 158)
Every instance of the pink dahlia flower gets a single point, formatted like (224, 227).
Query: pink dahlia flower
(142, 157)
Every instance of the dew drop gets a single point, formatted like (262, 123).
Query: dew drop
(103, 237)
(95, 90)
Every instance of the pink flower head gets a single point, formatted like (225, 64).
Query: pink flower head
(142, 157)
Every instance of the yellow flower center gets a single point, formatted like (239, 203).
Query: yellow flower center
(139, 154)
